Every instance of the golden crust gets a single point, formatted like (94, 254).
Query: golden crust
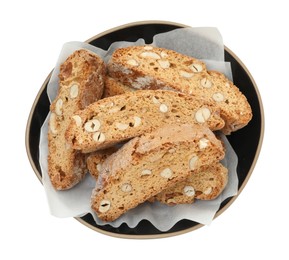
(81, 83)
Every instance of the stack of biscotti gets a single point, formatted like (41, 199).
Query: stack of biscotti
(148, 67)
(80, 84)
(162, 107)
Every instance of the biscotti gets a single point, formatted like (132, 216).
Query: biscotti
(119, 118)
(80, 83)
(205, 183)
(148, 67)
(112, 87)
(148, 164)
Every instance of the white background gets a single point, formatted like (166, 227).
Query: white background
(32, 33)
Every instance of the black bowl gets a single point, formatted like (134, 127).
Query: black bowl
(246, 142)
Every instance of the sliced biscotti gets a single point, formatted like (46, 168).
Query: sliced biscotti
(118, 118)
(80, 83)
(148, 164)
(113, 87)
(205, 183)
(148, 67)
(235, 109)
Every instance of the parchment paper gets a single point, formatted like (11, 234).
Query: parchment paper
(203, 43)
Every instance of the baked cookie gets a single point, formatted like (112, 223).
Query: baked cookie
(148, 67)
(205, 183)
(80, 83)
(119, 118)
(151, 163)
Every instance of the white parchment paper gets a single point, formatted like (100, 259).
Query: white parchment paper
(203, 43)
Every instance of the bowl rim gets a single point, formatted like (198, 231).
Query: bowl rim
(170, 234)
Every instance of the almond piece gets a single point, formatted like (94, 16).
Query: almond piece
(99, 167)
(98, 137)
(146, 172)
(164, 54)
(92, 125)
(58, 107)
(189, 191)
(164, 108)
(132, 62)
(206, 83)
(53, 123)
(114, 110)
(165, 64)
(137, 121)
(186, 74)
(150, 54)
(218, 97)
(121, 126)
(77, 120)
(203, 143)
(126, 187)
(166, 173)
(104, 206)
(148, 47)
(208, 191)
(155, 100)
(196, 67)
(193, 162)
(73, 92)
(202, 115)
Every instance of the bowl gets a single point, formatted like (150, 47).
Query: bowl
(246, 142)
